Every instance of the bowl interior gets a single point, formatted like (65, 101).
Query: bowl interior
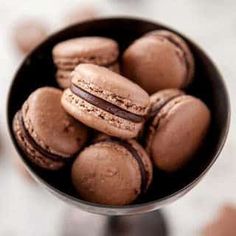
(38, 70)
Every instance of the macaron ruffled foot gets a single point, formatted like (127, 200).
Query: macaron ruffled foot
(106, 101)
(178, 124)
(46, 133)
(95, 50)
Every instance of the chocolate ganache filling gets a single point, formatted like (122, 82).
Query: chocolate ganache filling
(36, 146)
(106, 106)
(135, 155)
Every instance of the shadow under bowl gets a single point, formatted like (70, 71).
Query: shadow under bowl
(38, 70)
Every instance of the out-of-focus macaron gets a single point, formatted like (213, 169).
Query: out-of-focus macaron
(177, 128)
(96, 50)
(106, 101)
(112, 172)
(159, 60)
(28, 34)
(45, 132)
(223, 224)
(81, 13)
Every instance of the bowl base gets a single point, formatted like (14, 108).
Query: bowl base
(81, 223)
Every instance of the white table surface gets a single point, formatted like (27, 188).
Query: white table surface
(25, 208)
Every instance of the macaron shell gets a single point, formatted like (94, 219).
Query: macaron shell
(63, 78)
(160, 98)
(106, 173)
(50, 126)
(177, 132)
(97, 50)
(36, 157)
(97, 118)
(145, 159)
(100, 137)
(179, 42)
(154, 64)
(111, 87)
(114, 67)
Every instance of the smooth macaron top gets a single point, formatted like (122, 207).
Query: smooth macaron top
(111, 87)
(184, 52)
(158, 60)
(49, 125)
(98, 50)
(177, 131)
(107, 172)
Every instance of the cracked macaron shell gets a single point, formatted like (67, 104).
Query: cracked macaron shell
(177, 131)
(50, 126)
(159, 60)
(112, 88)
(107, 173)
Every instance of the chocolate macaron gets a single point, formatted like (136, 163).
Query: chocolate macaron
(106, 101)
(112, 172)
(95, 50)
(45, 132)
(178, 125)
(159, 60)
(28, 34)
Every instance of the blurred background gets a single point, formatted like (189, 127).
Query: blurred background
(27, 209)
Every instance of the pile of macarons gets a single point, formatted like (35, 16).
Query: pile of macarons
(116, 117)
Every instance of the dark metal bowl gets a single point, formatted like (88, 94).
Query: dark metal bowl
(38, 70)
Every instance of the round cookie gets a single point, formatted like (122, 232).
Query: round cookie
(159, 60)
(28, 34)
(106, 101)
(177, 129)
(96, 50)
(45, 132)
(223, 224)
(80, 13)
(112, 172)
